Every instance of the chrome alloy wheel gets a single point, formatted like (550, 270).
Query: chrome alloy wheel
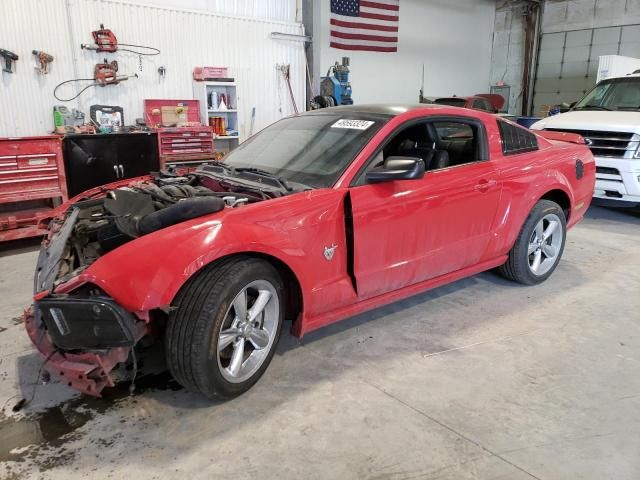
(545, 244)
(248, 331)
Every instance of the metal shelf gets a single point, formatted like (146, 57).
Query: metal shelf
(230, 115)
(219, 84)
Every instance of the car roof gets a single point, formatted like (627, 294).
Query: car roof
(378, 109)
(467, 98)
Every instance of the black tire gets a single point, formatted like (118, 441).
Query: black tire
(320, 100)
(201, 309)
(517, 267)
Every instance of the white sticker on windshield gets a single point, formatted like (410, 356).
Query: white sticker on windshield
(353, 124)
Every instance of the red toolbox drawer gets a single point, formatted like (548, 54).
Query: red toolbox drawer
(182, 140)
(185, 143)
(29, 145)
(31, 169)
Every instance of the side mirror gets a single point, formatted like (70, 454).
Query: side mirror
(397, 168)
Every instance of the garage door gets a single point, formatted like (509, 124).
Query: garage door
(568, 61)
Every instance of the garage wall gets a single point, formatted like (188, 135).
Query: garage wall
(507, 53)
(452, 38)
(280, 10)
(185, 38)
(567, 15)
(574, 34)
(568, 62)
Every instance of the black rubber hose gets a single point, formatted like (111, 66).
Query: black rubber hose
(71, 81)
(179, 212)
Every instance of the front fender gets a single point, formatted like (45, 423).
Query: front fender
(148, 272)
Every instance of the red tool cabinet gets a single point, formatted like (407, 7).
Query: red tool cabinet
(32, 182)
(185, 146)
(183, 142)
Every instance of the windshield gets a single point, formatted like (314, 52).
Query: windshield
(613, 94)
(312, 149)
(452, 102)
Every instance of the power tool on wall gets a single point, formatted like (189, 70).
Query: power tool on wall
(104, 40)
(335, 88)
(44, 59)
(103, 74)
(106, 73)
(9, 58)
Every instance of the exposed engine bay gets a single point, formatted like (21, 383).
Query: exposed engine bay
(100, 223)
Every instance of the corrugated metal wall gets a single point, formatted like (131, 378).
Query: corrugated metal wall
(185, 38)
(285, 11)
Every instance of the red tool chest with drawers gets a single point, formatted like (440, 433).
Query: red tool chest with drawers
(184, 146)
(183, 142)
(32, 182)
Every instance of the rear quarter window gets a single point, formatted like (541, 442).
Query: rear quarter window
(516, 139)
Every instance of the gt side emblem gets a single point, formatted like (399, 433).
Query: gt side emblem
(329, 251)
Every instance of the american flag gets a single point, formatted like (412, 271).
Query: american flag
(365, 25)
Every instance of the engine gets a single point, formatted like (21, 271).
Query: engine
(105, 223)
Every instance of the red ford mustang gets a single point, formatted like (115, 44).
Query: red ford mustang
(318, 217)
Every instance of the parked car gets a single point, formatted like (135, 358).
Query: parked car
(485, 102)
(318, 217)
(608, 117)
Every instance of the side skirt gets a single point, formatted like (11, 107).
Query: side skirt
(309, 324)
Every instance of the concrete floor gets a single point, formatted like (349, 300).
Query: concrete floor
(481, 379)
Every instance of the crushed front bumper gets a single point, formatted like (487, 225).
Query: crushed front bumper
(80, 346)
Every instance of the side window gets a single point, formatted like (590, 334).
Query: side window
(516, 139)
(412, 141)
(453, 130)
(479, 105)
(456, 143)
(409, 142)
(439, 143)
(483, 104)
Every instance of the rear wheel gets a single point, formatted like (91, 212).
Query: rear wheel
(539, 246)
(223, 333)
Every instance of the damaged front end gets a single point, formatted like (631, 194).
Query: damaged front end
(79, 329)
(83, 335)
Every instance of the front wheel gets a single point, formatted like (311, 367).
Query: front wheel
(224, 330)
(539, 246)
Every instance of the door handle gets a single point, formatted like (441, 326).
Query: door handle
(484, 185)
(121, 171)
(115, 168)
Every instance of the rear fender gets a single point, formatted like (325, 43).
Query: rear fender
(515, 207)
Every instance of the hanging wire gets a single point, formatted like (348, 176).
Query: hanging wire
(79, 93)
(26, 401)
(154, 51)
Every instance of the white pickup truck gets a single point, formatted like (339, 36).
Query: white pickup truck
(608, 117)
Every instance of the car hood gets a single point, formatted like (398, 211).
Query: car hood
(100, 222)
(617, 121)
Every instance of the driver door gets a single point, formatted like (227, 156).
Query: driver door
(409, 231)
